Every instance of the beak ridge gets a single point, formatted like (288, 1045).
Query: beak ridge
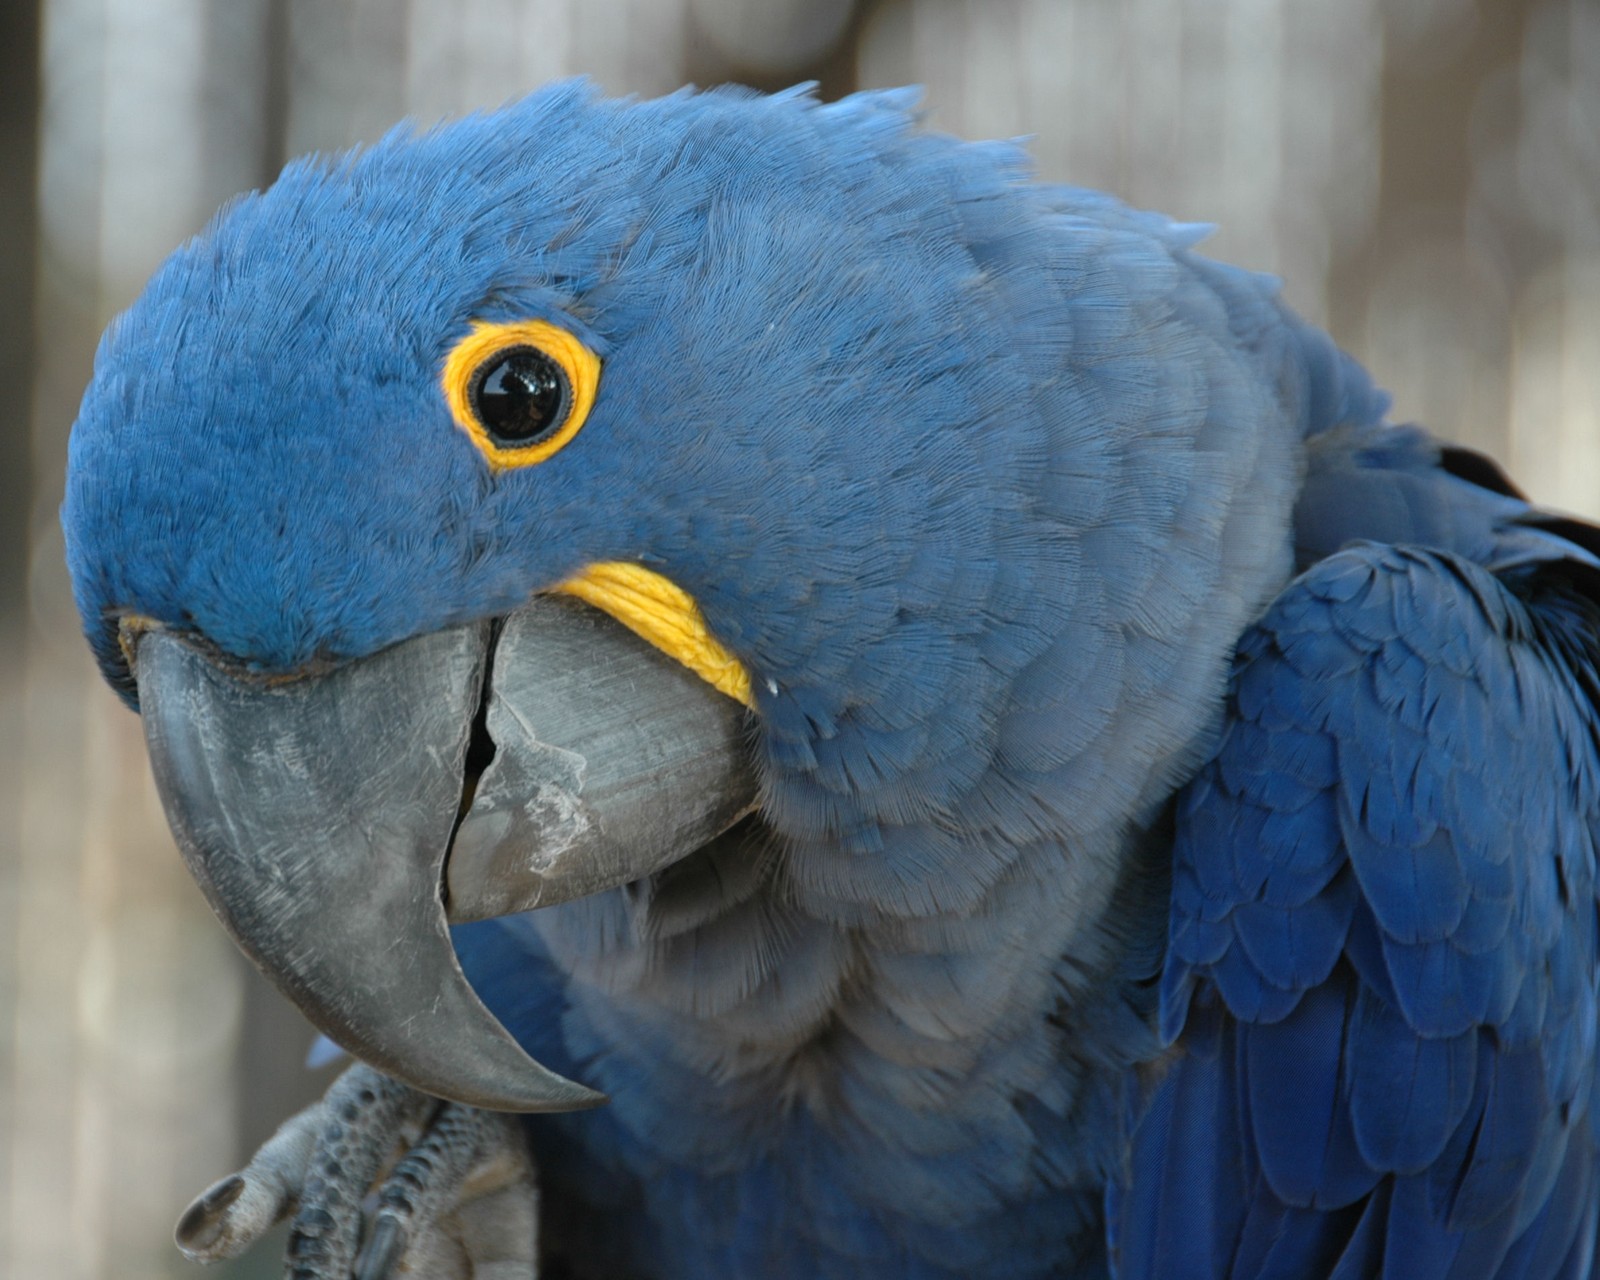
(316, 816)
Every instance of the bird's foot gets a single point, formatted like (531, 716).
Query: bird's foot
(382, 1181)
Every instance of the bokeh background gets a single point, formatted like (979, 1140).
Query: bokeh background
(1425, 174)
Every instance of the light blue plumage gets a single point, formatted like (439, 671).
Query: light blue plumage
(1049, 931)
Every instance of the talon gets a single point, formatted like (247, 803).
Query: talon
(232, 1214)
(424, 1181)
(383, 1249)
(202, 1223)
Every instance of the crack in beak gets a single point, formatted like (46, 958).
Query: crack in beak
(610, 760)
(480, 746)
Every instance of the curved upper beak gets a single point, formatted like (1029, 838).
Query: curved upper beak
(339, 822)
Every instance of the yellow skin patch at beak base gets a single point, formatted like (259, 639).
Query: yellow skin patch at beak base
(664, 614)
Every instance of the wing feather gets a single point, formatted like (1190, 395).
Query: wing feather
(1382, 967)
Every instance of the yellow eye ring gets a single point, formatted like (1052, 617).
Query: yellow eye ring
(520, 390)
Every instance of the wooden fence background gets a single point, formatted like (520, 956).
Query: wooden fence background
(1424, 173)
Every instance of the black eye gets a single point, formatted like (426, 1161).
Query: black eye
(521, 396)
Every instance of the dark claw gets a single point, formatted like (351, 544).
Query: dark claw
(383, 1249)
(201, 1226)
(424, 1182)
(234, 1213)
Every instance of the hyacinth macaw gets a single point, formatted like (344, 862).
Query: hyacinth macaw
(947, 729)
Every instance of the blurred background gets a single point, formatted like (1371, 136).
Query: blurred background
(1425, 174)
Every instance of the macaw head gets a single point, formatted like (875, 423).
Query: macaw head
(704, 353)
(754, 376)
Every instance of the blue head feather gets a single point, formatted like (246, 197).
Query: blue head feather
(265, 455)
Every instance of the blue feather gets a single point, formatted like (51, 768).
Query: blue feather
(1432, 1083)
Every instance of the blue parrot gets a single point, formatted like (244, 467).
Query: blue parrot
(953, 716)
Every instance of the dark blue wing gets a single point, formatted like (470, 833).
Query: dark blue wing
(1382, 969)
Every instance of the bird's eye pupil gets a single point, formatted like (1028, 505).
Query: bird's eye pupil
(521, 396)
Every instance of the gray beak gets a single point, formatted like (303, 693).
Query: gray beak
(335, 824)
